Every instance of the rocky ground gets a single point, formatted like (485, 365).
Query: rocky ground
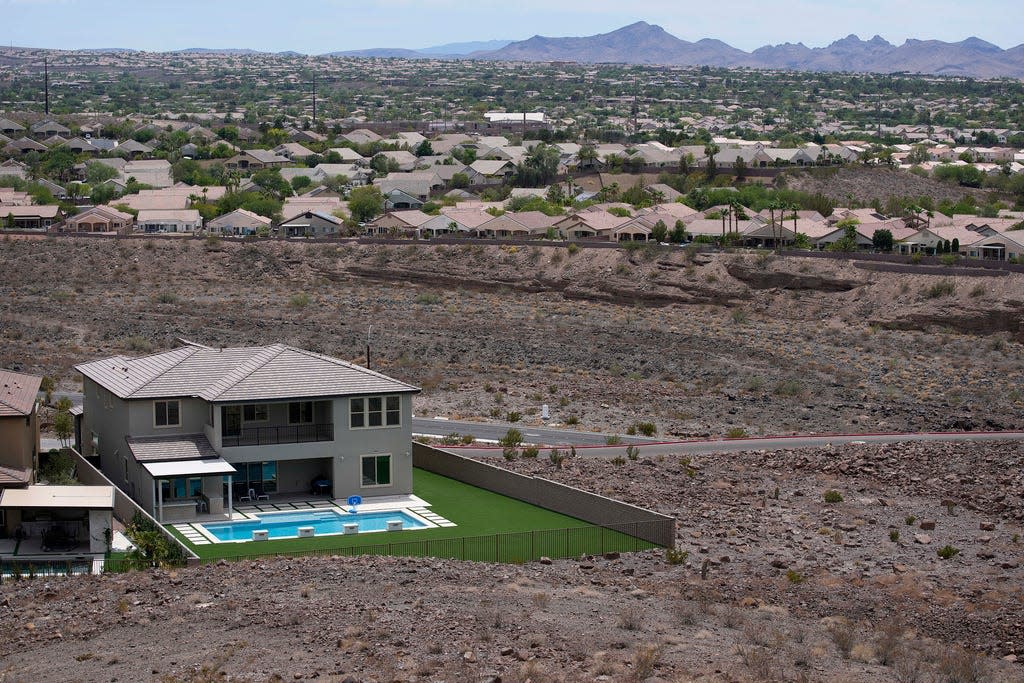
(794, 589)
(846, 185)
(698, 344)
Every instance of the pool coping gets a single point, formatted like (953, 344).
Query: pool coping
(411, 505)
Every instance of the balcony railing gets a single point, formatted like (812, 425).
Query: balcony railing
(271, 436)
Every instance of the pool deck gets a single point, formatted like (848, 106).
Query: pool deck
(248, 511)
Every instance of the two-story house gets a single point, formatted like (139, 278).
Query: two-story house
(193, 429)
(19, 428)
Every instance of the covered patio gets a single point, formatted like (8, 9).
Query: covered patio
(56, 522)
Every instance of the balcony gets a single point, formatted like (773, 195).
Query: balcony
(272, 436)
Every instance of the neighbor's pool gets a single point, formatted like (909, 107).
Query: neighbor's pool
(286, 524)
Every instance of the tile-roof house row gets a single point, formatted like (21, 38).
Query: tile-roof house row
(196, 427)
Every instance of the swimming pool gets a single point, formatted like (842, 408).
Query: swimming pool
(324, 522)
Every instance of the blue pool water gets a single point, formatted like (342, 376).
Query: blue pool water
(286, 524)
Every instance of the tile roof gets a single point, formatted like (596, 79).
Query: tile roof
(18, 393)
(172, 447)
(259, 373)
(10, 476)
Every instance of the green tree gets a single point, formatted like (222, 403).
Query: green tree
(424, 149)
(710, 150)
(365, 203)
(678, 235)
(63, 426)
(96, 173)
(882, 239)
(270, 181)
(460, 180)
(301, 182)
(659, 231)
(539, 166)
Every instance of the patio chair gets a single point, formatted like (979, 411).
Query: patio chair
(263, 496)
(248, 497)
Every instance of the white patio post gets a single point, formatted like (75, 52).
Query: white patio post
(230, 496)
(159, 500)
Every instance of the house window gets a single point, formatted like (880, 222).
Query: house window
(300, 412)
(167, 413)
(256, 412)
(375, 411)
(376, 470)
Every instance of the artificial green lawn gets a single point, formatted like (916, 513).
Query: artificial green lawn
(490, 527)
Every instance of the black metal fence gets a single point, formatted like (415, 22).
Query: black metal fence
(511, 548)
(271, 436)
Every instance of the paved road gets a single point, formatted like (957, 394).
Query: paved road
(771, 443)
(492, 431)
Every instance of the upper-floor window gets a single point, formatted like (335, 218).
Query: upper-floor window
(300, 412)
(375, 411)
(167, 413)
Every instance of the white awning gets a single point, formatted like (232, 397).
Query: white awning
(188, 468)
(41, 496)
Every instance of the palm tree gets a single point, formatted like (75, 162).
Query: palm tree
(710, 150)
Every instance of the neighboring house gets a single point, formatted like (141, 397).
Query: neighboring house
(255, 160)
(169, 220)
(47, 129)
(153, 172)
(402, 159)
(14, 168)
(998, 247)
(399, 222)
(589, 224)
(135, 149)
(32, 217)
(207, 424)
(11, 128)
(293, 151)
(361, 136)
(349, 155)
(238, 222)
(311, 224)
(398, 200)
(23, 146)
(19, 428)
(99, 219)
(493, 172)
(58, 522)
(419, 184)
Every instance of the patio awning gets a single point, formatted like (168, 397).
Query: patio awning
(188, 468)
(41, 496)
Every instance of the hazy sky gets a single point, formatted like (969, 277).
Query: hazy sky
(318, 26)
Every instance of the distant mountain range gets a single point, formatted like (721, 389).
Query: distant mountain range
(451, 50)
(643, 43)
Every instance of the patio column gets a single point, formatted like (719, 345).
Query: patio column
(230, 496)
(159, 500)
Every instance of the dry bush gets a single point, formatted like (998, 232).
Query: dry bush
(645, 660)
(733, 617)
(689, 612)
(844, 635)
(888, 641)
(760, 661)
(631, 618)
(909, 668)
(957, 665)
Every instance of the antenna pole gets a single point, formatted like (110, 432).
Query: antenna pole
(314, 98)
(46, 83)
(368, 331)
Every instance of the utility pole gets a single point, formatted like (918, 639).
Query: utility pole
(368, 331)
(314, 98)
(46, 83)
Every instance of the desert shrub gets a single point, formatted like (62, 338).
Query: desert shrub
(646, 428)
(832, 496)
(632, 452)
(940, 289)
(795, 577)
(531, 452)
(138, 344)
(736, 433)
(910, 519)
(572, 420)
(299, 300)
(645, 660)
(675, 555)
(618, 461)
(948, 552)
(894, 535)
(428, 298)
(788, 387)
(513, 438)
(957, 665)
(844, 636)
(514, 416)
(977, 291)
(947, 259)
(631, 618)
(556, 457)
(572, 248)
(613, 440)
(738, 316)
